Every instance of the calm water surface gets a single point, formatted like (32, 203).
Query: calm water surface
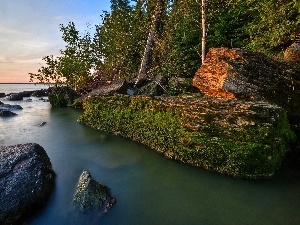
(149, 188)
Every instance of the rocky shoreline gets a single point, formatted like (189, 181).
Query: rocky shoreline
(242, 123)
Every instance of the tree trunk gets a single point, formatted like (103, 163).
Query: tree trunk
(203, 30)
(150, 41)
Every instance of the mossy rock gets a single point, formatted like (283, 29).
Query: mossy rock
(240, 138)
(91, 196)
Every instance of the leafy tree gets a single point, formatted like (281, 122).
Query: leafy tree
(227, 22)
(73, 67)
(275, 24)
(180, 45)
(49, 73)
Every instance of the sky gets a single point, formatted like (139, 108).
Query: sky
(29, 30)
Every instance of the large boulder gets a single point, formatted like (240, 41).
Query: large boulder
(26, 181)
(236, 137)
(236, 73)
(91, 196)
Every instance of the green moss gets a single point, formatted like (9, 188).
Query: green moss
(211, 133)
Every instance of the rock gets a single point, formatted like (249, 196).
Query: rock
(179, 85)
(236, 73)
(26, 181)
(240, 138)
(91, 196)
(2, 95)
(105, 89)
(154, 87)
(1, 103)
(292, 53)
(40, 93)
(15, 97)
(42, 123)
(10, 107)
(6, 113)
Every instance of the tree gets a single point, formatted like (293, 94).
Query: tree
(156, 22)
(274, 26)
(73, 67)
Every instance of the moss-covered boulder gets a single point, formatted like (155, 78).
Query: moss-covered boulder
(236, 137)
(91, 196)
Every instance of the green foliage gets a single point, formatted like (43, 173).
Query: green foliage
(116, 48)
(274, 26)
(254, 148)
(57, 97)
(74, 64)
(49, 73)
(227, 24)
(180, 42)
(120, 40)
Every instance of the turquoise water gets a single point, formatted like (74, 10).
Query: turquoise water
(149, 188)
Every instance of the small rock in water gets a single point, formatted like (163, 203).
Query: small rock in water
(42, 123)
(90, 195)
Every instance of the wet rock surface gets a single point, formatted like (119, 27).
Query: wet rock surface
(26, 181)
(91, 196)
(6, 113)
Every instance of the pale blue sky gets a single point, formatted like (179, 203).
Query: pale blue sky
(29, 30)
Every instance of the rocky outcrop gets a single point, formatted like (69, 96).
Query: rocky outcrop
(19, 96)
(91, 196)
(26, 180)
(236, 137)
(6, 113)
(236, 73)
(2, 95)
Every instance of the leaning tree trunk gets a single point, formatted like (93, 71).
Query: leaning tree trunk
(150, 41)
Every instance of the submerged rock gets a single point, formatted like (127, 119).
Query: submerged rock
(26, 181)
(91, 196)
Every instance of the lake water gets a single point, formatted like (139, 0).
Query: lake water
(149, 188)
